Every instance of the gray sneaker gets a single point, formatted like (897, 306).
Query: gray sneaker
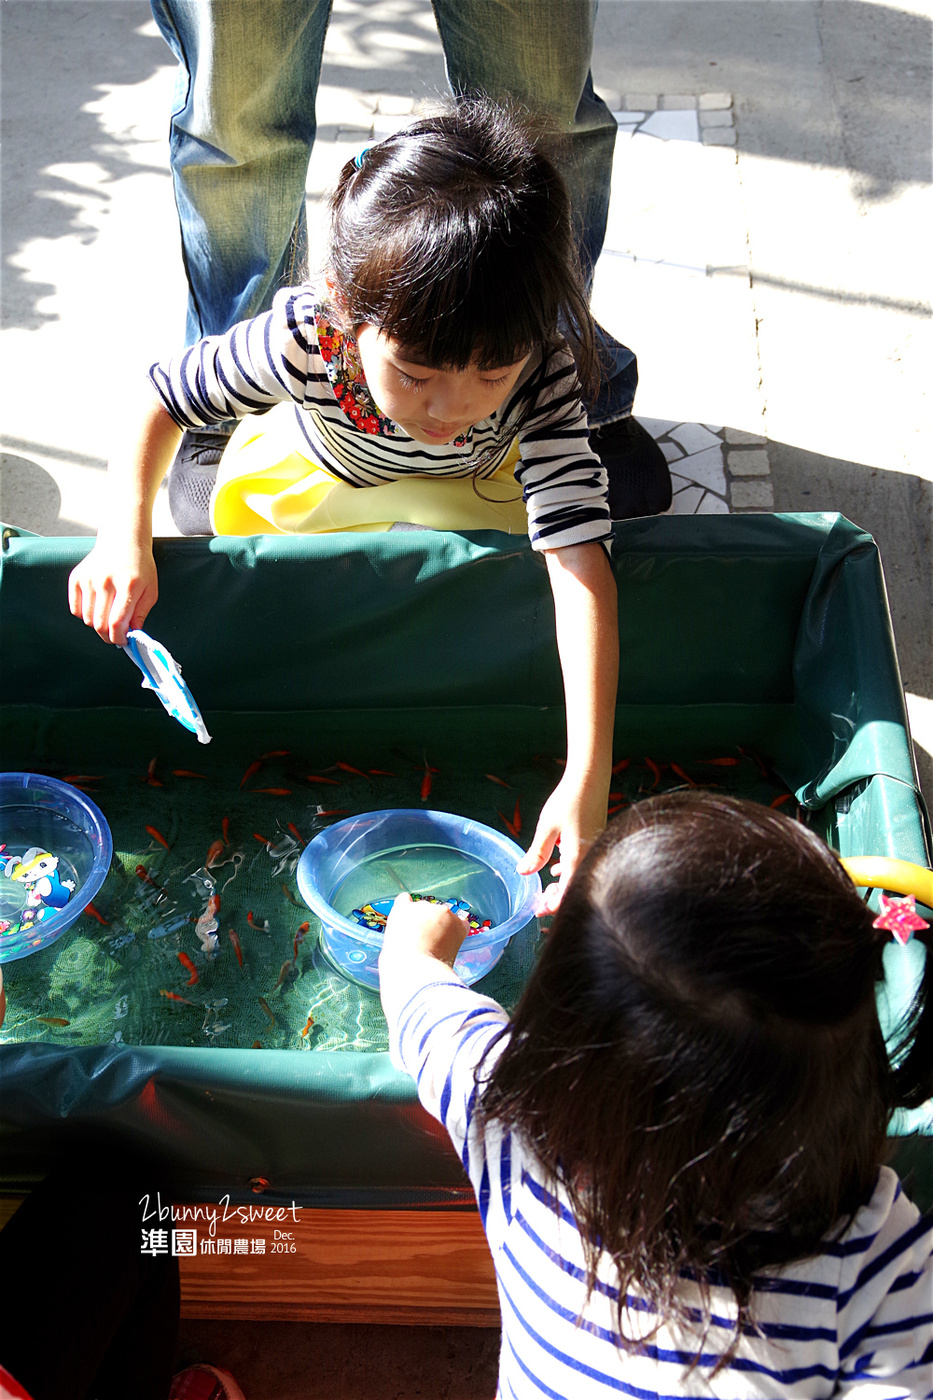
(192, 476)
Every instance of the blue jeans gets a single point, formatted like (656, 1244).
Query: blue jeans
(244, 124)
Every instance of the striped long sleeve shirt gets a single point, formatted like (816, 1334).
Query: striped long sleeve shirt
(278, 357)
(857, 1320)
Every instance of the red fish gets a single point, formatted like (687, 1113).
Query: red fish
(719, 762)
(189, 966)
(225, 828)
(509, 827)
(258, 836)
(274, 753)
(333, 812)
(96, 914)
(348, 768)
(621, 766)
(253, 768)
(157, 836)
(779, 801)
(260, 928)
(299, 937)
(317, 778)
(257, 1044)
(213, 906)
(650, 763)
(173, 996)
(383, 773)
(186, 773)
(296, 833)
(617, 808)
(493, 779)
(274, 792)
(150, 777)
(426, 781)
(676, 768)
(308, 1024)
(147, 879)
(214, 852)
(234, 939)
(517, 817)
(82, 778)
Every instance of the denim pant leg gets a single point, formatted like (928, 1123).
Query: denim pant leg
(539, 52)
(241, 136)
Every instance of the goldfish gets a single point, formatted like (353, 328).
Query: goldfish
(779, 801)
(650, 763)
(296, 833)
(317, 778)
(332, 812)
(299, 937)
(284, 972)
(189, 966)
(174, 996)
(750, 753)
(719, 762)
(82, 778)
(508, 825)
(225, 830)
(274, 792)
(258, 836)
(186, 773)
(621, 766)
(234, 939)
(147, 879)
(493, 779)
(426, 783)
(267, 1009)
(53, 1020)
(253, 768)
(260, 928)
(157, 836)
(213, 853)
(517, 817)
(150, 777)
(348, 768)
(289, 896)
(213, 906)
(383, 773)
(617, 808)
(308, 1024)
(681, 773)
(274, 753)
(257, 1044)
(96, 914)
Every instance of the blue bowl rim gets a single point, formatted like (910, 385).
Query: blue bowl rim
(100, 834)
(501, 933)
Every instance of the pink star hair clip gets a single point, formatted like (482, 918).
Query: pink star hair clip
(900, 917)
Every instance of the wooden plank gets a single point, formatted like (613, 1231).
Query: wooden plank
(406, 1267)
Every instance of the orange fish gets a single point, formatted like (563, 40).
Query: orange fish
(517, 818)
(750, 753)
(214, 852)
(258, 836)
(173, 996)
(617, 808)
(54, 1020)
(333, 812)
(621, 766)
(82, 778)
(225, 828)
(147, 879)
(283, 973)
(274, 753)
(299, 937)
(509, 827)
(317, 778)
(719, 762)
(493, 779)
(779, 801)
(308, 1024)
(260, 928)
(383, 773)
(348, 768)
(289, 896)
(186, 773)
(274, 792)
(257, 1044)
(213, 906)
(296, 833)
(189, 966)
(253, 768)
(157, 836)
(150, 777)
(676, 768)
(615, 796)
(426, 784)
(650, 763)
(96, 914)
(234, 939)
(267, 1009)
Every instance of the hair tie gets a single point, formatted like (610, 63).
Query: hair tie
(900, 917)
(361, 156)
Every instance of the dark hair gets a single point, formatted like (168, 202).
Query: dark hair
(697, 1059)
(454, 237)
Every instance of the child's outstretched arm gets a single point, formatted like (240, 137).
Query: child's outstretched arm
(114, 587)
(586, 615)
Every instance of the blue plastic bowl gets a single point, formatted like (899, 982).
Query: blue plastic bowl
(67, 840)
(375, 856)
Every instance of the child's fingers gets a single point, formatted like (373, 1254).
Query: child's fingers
(545, 838)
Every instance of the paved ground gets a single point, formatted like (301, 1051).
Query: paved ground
(766, 258)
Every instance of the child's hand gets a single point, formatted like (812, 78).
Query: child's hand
(114, 587)
(571, 819)
(418, 926)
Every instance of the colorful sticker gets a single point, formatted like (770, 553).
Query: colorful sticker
(35, 887)
(374, 914)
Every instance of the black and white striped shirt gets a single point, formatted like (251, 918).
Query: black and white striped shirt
(856, 1320)
(276, 357)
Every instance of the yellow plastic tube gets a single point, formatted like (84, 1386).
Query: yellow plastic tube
(883, 873)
